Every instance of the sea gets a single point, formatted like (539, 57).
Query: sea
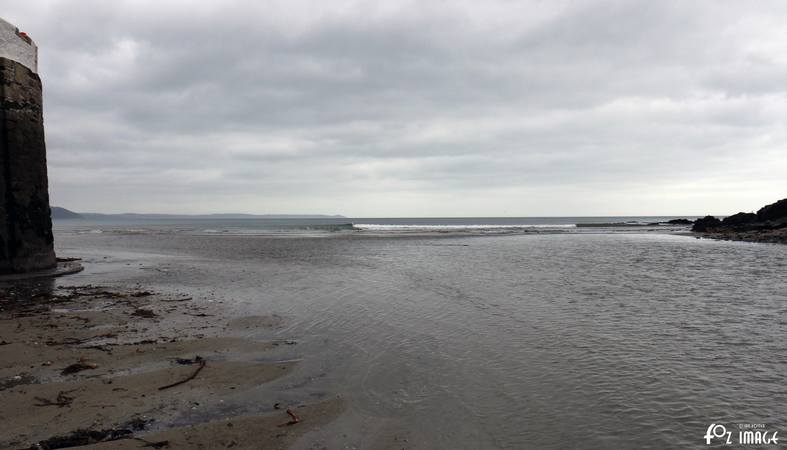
(328, 225)
(476, 333)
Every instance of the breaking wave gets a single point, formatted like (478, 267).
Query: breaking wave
(456, 228)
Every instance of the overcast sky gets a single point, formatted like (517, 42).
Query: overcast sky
(396, 108)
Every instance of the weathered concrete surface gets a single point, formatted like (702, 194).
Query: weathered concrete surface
(25, 224)
(16, 46)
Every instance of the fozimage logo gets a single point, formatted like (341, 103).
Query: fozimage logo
(747, 433)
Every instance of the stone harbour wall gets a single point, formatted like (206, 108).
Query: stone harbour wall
(26, 241)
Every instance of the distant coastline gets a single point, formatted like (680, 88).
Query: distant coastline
(63, 213)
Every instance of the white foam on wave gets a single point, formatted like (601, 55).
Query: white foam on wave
(447, 227)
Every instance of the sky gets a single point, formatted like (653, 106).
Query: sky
(413, 108)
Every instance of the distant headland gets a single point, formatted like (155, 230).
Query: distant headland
(59, 213)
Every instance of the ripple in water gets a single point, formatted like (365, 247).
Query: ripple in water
(542, 341)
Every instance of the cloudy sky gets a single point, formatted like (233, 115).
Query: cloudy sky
(413, 108)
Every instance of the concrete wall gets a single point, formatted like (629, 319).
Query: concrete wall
(26, 241)
(16, 48)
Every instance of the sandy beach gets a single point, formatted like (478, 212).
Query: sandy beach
(93, 365)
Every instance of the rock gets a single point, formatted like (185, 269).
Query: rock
(774, 211)
(706, 223)
(146, 313)
(680, 222)
(768, 225)
(741, 218)
(78, 367)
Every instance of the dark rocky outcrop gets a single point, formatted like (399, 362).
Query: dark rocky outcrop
(774, 211)
(706, 223)
(768, 225)
(26, 241)
(741, 218)
(680, 222)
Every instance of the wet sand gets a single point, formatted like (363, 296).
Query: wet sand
(93, 365)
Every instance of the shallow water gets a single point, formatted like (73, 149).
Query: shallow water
(529, 341)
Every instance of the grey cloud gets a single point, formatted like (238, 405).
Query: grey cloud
(296, 106)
